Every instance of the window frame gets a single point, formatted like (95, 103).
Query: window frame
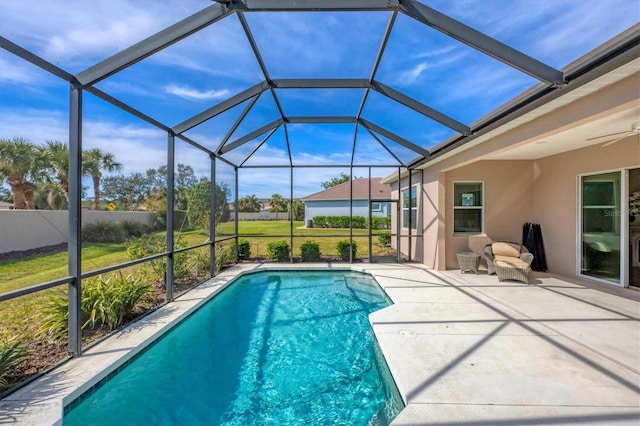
(471, 207)
(414, 206)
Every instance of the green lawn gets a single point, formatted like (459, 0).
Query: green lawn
(23, 316)
(15, 274)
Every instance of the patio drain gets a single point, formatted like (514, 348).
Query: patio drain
(409, 334)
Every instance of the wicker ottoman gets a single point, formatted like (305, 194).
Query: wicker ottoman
(468, 261)
(507, 271)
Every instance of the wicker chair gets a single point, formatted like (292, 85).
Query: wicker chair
(510, 261)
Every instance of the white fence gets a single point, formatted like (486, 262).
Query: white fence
(29, 229)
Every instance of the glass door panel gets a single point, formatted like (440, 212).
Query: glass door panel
(601, 219)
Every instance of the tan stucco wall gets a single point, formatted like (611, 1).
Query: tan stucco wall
(540, 191)
(508, 201)
(556, 193)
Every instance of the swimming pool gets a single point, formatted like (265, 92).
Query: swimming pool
(272, 348)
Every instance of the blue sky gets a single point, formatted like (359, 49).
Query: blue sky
(216, 63)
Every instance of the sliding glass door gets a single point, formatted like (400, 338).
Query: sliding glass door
(601, 226)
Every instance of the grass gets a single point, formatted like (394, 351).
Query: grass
(260, 233)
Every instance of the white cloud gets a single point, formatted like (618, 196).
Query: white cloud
(192, 93)
(36, 125)
(79, 32)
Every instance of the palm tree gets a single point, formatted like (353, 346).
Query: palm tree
(250, 203)
(277, 203)
(21, 165)
(94, 161)
(57, 154)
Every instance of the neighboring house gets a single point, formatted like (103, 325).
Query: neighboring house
(569, 162)
(335, 200)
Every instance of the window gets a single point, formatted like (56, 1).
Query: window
(468, 206)
(600, 209)
(406, 209)
(376, 207)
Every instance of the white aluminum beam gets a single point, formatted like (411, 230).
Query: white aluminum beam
(482, 42)
(152, 44)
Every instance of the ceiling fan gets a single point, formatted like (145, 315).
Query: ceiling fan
(635, 129)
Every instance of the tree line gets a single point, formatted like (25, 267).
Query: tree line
(27, 168)
(38, 178)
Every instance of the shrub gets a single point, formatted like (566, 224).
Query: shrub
(384, 239)
(150, 244)
(103, 232)
(134, 229)
(378, 222)
(358, 222)
(180, 220)
(223, 257)
(310, 251)
(13, 352)
(244, 249)
(278, 250)
(108, 302)
(343, 249)
(198, 261)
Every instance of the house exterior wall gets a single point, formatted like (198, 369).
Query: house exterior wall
(508, 204)
(541, 191)
(340, 208)
(555, 198)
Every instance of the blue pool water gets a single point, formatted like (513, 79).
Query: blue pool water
(274, 348)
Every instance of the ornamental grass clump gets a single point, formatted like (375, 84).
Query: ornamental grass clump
(109, 302)
(13, 352)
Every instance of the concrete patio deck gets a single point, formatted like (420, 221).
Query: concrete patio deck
(469, 350)
(463, 349)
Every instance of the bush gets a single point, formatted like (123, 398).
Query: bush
(310, 251)
(151, 244)
(244, 249)
(103, 232)
(180, 220)
(134, 229)
(223, 257)
(358, 222)
(384, 239)
(343, 249)
(108, 302)
(13, 352)
(378, 222)
(278, 250)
